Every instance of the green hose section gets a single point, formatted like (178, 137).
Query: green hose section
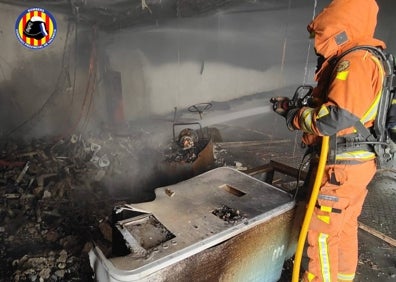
(310, 208)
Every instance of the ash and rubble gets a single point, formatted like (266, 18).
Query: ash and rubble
(228, 214)
(57, 198)
(50, 196)
(186, 148)
(55, 201)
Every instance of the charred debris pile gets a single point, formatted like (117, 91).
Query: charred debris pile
(55, 200)
(52, 205)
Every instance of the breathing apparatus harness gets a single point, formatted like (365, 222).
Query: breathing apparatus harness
(376, 139)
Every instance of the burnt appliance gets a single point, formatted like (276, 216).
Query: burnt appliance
(222, 225)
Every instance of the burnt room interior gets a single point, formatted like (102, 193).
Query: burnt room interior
(132, 96)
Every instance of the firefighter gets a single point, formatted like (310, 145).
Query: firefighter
(347, 91)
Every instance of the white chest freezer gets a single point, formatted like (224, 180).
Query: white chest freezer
(222, 225)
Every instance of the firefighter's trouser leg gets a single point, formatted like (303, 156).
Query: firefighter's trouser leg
(332, 236)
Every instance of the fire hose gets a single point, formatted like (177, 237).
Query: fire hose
(310, 208)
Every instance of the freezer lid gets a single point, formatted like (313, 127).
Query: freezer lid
(196, 214)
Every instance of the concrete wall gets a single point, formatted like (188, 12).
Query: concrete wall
(213, 58)
(257, 47)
